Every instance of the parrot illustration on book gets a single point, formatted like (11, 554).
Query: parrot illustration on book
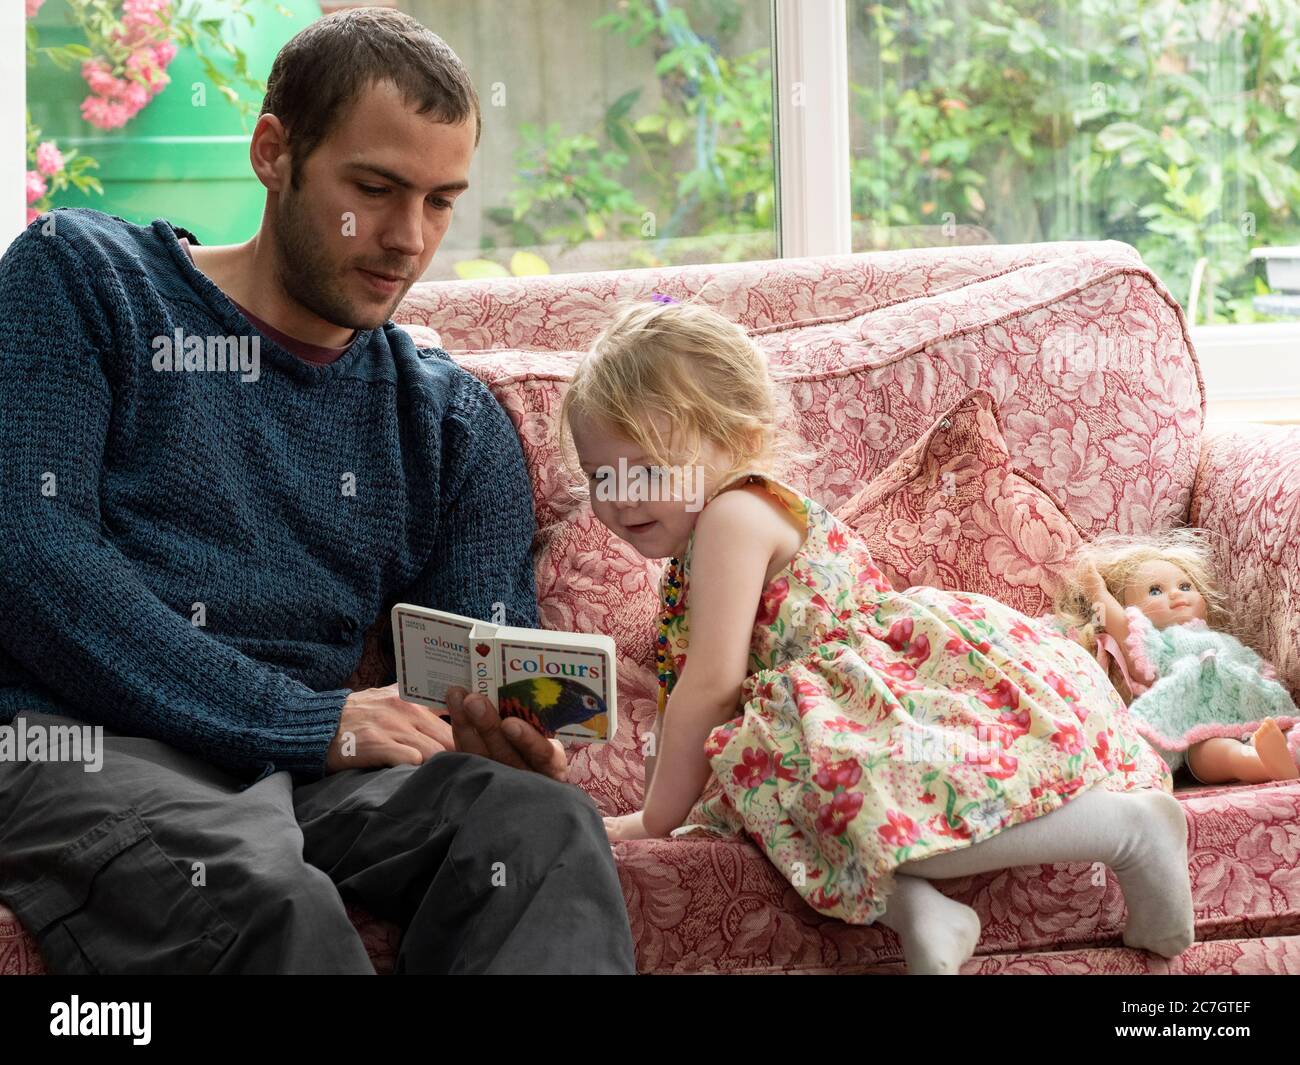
(549, 704)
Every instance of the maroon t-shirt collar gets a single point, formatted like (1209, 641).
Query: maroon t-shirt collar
(313, 353)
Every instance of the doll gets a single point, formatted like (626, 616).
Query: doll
(1150, 609)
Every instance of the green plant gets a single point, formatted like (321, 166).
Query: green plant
(1167, 125)
(705, 149)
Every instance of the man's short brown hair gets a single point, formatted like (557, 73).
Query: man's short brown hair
(321, 71)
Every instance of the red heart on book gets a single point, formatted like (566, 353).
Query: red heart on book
(483, 649)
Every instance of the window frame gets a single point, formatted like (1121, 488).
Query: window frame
(810, 86)
(13, 121)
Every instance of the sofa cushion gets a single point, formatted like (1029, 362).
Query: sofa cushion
(953, 513)
(589, 580)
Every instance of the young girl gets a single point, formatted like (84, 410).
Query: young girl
(1150, 608)
(869, 740)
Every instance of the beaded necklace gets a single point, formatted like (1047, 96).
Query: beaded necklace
(672, 594)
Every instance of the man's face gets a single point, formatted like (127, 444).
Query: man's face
(373, 202)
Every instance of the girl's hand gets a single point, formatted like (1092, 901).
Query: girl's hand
(629, 826)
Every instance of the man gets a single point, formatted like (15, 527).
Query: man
(222, 464)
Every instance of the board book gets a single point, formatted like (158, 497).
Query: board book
(560, 682)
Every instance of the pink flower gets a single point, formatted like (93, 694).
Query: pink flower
(900, 632)
(104, 114)
(843, 774)
(36, 187)
(754, 770)
(1007, 766)
(901, 831)
(1000, 695)
(164, 53)
(769, 604)
(833, 817)
(1067, 739)
(33, 6)
(134, 97)
(49, 160)
(99, 77)
(141, 13)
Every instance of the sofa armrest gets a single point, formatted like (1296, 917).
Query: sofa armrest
(1247, 494)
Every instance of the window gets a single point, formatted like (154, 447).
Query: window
(615, 134)
(626, 133)
(1170, 125)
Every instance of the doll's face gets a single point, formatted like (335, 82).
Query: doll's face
(1165, 594)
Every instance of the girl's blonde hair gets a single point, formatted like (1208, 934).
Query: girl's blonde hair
(1118, 558)
(700, 370)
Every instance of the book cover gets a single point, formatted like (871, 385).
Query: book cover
(562, 683)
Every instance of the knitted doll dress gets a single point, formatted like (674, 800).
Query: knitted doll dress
(1192, 683)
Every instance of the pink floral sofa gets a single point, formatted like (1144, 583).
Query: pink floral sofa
(976, 411)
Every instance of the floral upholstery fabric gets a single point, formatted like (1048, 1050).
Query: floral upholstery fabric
(1099, 400)
(952, 512)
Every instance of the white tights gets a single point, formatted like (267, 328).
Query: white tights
(1140, 835)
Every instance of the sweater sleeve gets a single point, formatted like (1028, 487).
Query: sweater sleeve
(486, 524)
(77, 614)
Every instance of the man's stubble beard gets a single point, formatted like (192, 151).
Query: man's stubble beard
(309, 276)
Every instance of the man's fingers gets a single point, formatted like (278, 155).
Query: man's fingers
(431, 725)
(397, 753)
(487, 723)
(542, 755)
(426, 745)
(466, 735)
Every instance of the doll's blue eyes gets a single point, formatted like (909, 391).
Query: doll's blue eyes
(1155, 589)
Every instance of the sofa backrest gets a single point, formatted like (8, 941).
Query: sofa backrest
(1085, 351)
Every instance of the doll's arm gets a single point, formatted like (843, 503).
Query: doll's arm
(1106, 610)
(735, 538)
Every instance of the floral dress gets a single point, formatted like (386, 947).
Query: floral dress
(878, 726)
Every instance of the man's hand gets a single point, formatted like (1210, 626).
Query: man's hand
(379, 728)
(478, 729)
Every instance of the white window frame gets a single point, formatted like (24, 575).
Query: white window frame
(811, 88)
(13, 120)
(810, 80)
(1250, 361)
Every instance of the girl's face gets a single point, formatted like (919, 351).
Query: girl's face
(1165, 594)
(653, 508)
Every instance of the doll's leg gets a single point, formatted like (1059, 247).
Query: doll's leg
(937, 933)
(1222, 760)
(1141, 835)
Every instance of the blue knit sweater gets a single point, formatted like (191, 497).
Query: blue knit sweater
(195, 556)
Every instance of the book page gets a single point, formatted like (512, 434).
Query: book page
(433, 654)
(565, 691)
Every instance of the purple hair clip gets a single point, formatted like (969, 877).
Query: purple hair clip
(659, 297)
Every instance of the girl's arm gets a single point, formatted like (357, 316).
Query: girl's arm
(736, 537)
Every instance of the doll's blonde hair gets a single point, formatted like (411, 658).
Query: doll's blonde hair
(701, 371)
(1118, 558)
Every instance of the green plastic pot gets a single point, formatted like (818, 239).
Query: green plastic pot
(174, 160)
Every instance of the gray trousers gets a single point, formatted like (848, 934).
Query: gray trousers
(159, 863)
